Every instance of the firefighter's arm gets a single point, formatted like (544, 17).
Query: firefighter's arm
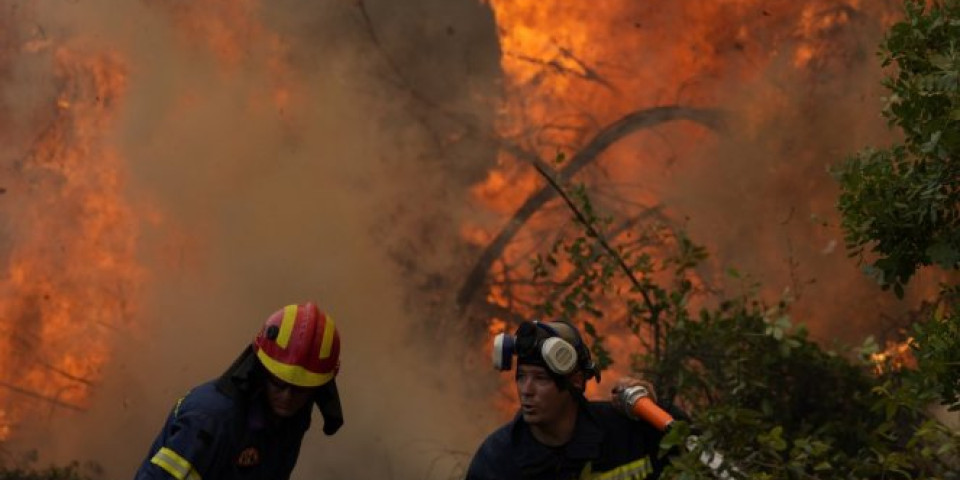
(187, 449)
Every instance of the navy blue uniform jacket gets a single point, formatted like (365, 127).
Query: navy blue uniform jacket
(211, 436)
(220, 430)
(605, 445)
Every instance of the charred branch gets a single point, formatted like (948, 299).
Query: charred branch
(557, 65)
(711, 118)
(466, 121)
(39, 396)
(602, 240)
(64, 373)
(575, 275)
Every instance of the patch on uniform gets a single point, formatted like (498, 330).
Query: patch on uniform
(249, 457)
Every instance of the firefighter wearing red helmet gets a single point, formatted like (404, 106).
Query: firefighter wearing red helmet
(249, 423)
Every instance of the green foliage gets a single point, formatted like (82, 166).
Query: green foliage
(937, 349)
(73, 471)
(903, 202)
(756, 387)
(24, 466)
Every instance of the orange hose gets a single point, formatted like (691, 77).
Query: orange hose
(649, 411)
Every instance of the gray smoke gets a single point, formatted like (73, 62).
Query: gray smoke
(250, 204)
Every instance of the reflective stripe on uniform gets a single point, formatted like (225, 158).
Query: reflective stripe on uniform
(176, 409)
(636, 470)
(177, 466)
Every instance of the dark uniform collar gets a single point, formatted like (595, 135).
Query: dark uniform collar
(242, 381)
(536, 457)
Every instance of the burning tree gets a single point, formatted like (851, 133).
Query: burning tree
(758, 387)
(901, 204)
(631, 95)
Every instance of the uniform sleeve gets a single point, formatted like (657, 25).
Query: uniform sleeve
(184, 450)
(479, 469)
(489, 463)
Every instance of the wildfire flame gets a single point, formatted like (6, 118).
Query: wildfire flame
(70, 254)
(571, 69)
(71, 272)
(232, 31)
(896, 356)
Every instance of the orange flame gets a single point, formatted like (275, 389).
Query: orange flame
(896, 356)
(71, 272)
(572, 68)
(234, 33)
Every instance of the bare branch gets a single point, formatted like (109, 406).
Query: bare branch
(573, 276)
(593, 232)
(638, 120)
(557, 65)
(40, 396)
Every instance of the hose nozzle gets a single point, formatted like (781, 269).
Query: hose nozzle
(638, 404)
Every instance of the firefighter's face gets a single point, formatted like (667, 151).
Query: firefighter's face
(541, 400)
(285, 399)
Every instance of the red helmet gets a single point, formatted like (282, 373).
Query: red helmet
(300, 345)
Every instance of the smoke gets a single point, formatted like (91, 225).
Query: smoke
(277, 153)
(815, 101)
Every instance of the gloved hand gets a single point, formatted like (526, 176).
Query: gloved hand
(328, 401)
(623, 383)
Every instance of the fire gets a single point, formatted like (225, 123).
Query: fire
(232, 31)
(896, 356)
(228, 29)
(571, 69)
(71, 272)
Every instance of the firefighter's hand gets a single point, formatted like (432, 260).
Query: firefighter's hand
(626, 382)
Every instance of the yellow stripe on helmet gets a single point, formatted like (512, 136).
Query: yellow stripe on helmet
(286, 326)
(172, 463)
(293, 374)
(327, 343)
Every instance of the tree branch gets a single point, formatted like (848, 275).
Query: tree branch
(628, 124)
(40, 396)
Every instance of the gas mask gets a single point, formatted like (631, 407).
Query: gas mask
(555, 345)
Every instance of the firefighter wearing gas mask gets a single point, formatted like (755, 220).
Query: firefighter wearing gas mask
(558, 434)
(249, 423)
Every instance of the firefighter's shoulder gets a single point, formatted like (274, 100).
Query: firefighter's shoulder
(207, 401)
(495, 454)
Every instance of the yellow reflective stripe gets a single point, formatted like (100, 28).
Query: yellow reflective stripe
(294, 374)
(177, 466)
(327, 343)
(286, 326)
(629, 471)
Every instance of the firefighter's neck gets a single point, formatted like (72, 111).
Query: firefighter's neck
(559, 431)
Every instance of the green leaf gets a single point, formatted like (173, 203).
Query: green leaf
(944, 255)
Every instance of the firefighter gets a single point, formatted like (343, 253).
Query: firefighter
(557, 434)
(249, 423)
